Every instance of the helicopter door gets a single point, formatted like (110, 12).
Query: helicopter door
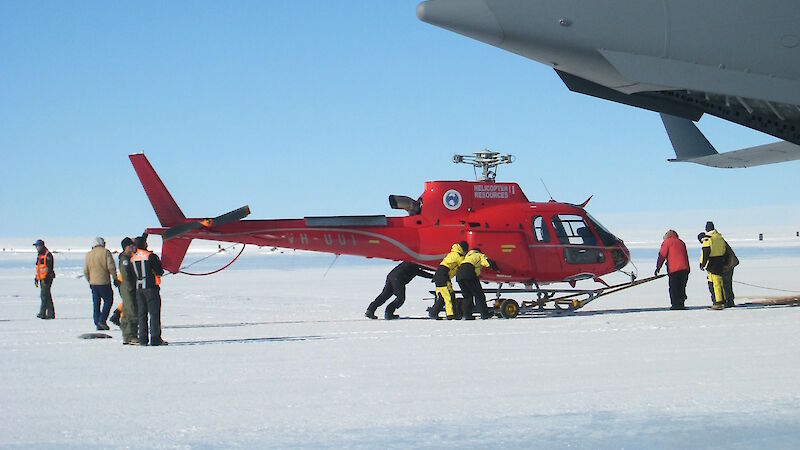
(544, 250)
(508, 249)
(578, 241)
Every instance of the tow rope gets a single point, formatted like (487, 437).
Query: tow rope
(764, 287)
(209, 256)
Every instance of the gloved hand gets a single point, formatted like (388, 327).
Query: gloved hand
(36, 282)
(117, 283)
(701, 267)
(493, 265)
(655, 273)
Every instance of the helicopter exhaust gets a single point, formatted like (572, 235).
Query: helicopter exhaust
(405, 203)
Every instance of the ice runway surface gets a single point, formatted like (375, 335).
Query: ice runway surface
(271, 353)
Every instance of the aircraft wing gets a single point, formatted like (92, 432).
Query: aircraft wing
(736, 59)
(692, 146)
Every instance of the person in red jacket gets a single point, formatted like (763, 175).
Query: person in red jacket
(673, 250)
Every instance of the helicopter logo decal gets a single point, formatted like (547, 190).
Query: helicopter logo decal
(452, 199)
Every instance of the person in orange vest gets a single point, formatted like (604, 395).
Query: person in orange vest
(44, 280)
(148, 271)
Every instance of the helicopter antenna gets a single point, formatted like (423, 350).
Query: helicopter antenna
(545, 188)
(487, 160)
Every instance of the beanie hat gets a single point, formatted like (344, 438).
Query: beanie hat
(709, 225)
(98, 241)
(701, 236)
(464, 246)
(126, 242)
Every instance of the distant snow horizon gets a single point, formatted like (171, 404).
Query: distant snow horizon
(641, 240)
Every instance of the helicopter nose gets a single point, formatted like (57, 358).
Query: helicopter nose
(471, 18)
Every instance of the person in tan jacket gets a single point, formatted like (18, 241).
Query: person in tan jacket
(99, 269)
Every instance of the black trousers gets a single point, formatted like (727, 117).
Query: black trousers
(677, 288)
(148, 302)
(472, 292)
(392, 287)
(727, 287)
(47, 309)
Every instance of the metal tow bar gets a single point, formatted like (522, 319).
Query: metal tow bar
(562, 299)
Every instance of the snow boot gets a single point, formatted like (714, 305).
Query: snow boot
(115, 317)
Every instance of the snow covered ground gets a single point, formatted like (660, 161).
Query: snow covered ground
(275, 353)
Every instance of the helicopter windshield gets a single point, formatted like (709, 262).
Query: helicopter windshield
(606, 236)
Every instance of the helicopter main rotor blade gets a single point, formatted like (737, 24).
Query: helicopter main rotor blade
(229, 217)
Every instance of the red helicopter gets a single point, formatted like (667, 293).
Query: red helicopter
(533, 243)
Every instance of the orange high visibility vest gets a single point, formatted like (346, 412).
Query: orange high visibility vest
(41, 266)
(142, 256)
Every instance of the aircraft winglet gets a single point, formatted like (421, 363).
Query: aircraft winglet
(691, 145)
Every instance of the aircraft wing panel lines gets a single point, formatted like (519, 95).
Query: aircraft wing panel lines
(753, 156)
(698, 77)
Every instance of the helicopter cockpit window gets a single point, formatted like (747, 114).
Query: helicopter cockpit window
(572, 229)
(540, 229)
(581, 243)
(606, 236)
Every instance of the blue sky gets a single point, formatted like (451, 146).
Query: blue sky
(314, 108)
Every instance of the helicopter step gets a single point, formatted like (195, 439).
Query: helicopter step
(567, 300)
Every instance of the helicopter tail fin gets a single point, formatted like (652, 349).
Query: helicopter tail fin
(166, 209)
(172, 253)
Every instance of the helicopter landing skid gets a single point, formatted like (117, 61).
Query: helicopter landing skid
(566, 300)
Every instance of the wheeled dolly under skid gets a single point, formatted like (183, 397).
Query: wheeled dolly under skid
(567, 300)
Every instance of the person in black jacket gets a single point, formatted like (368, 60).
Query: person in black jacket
(395, 285)
(148, 270)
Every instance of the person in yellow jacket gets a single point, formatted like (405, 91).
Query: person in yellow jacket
(713, 261)
(468, 277)
(700, 238)
(444, 287)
